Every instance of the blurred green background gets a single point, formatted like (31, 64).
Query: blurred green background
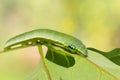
(95, 22)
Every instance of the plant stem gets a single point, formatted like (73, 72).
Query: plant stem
(43, 61)
(95, 50)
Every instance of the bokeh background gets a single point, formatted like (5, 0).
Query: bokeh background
(95, 22)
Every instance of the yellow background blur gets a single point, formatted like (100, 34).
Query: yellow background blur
(95, 22)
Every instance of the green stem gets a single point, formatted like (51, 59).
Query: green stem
(95, 50)
(43, 61)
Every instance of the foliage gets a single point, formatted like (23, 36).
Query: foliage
(69, 64)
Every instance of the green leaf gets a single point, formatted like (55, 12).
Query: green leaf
(63, 59)
(113, 55)
(95, 67)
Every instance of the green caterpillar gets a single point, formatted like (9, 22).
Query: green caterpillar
(48, 38)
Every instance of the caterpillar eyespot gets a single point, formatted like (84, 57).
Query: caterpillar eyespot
(70, 47)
